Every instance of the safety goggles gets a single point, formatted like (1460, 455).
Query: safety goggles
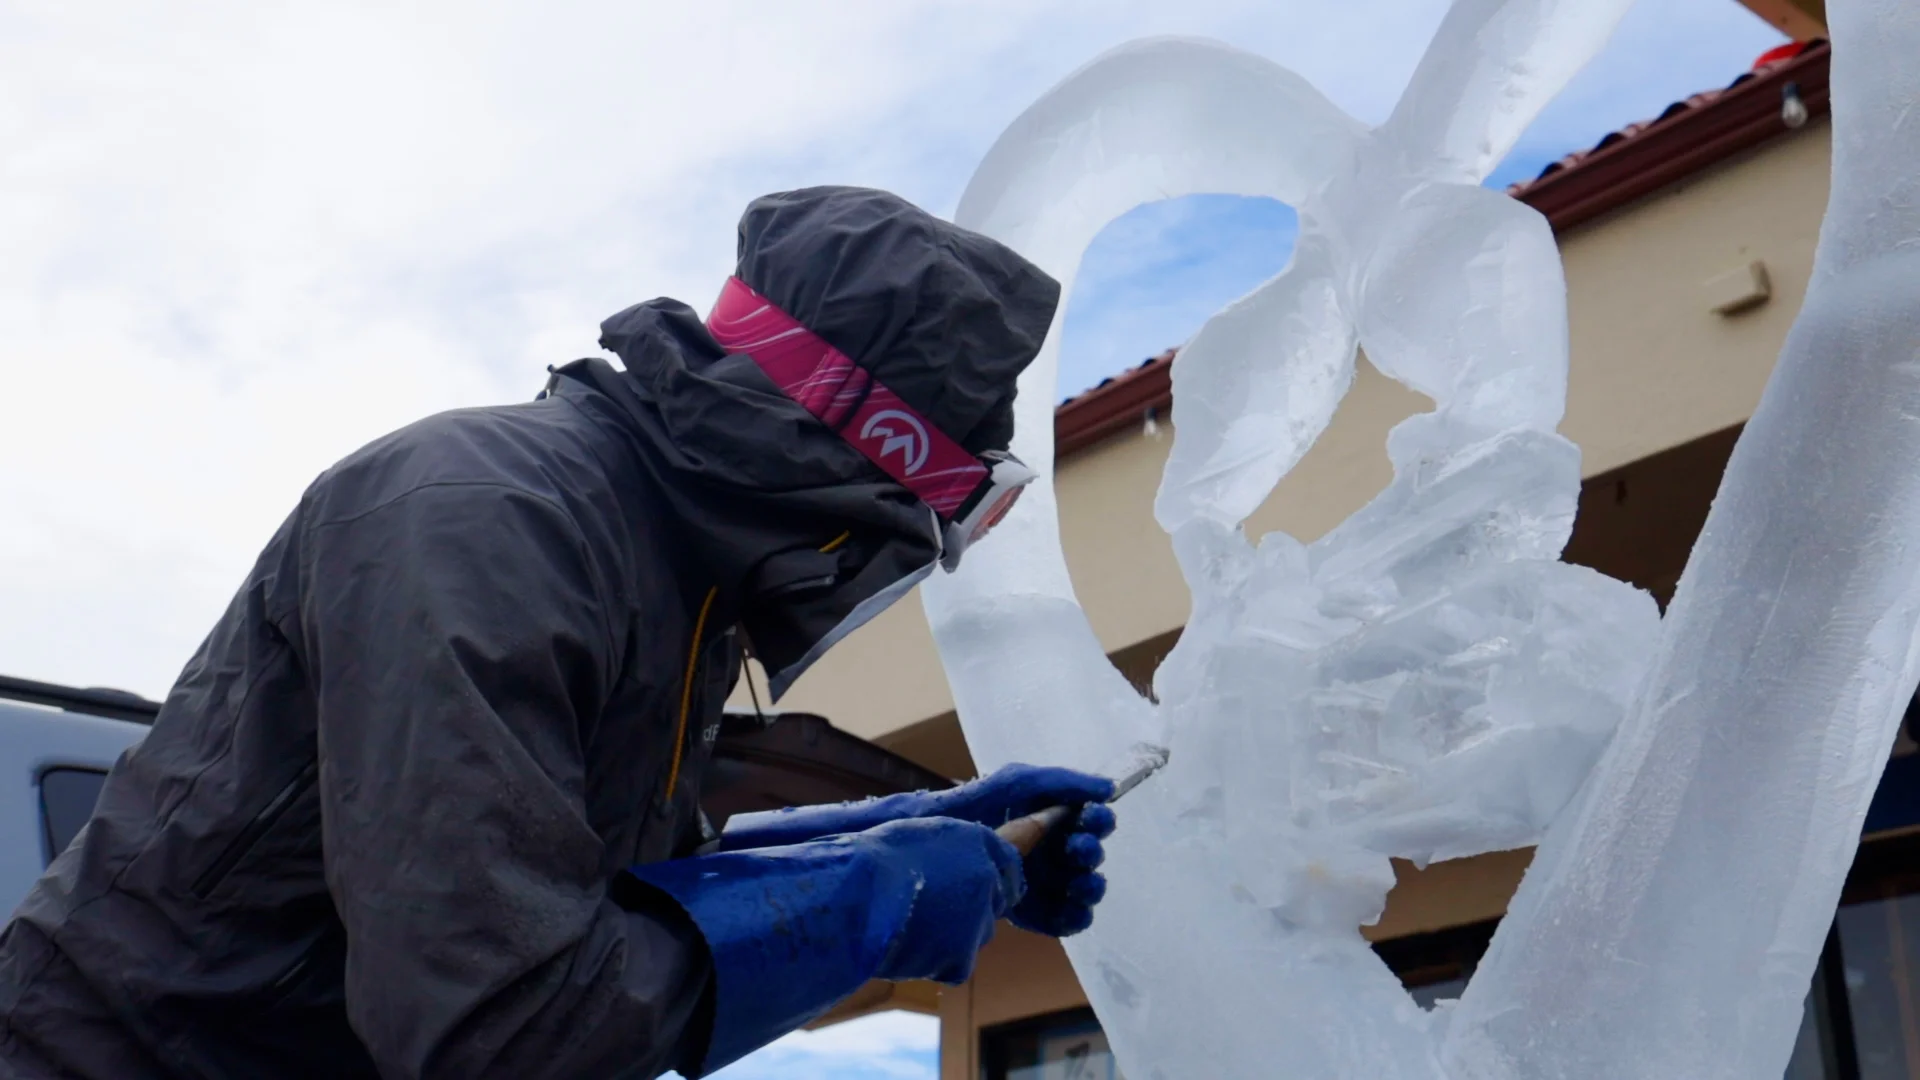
(1006, 478)
(968, 494)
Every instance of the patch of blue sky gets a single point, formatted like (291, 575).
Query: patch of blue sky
(1151, 278)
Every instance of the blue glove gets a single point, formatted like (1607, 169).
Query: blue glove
(1062, 886)
(1011, 792)
(793, 930)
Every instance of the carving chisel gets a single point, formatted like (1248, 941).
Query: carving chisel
(1026, 833)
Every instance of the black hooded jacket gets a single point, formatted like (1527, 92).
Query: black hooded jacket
(379, 824)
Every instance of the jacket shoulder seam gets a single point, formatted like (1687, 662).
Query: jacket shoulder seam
(391, 500)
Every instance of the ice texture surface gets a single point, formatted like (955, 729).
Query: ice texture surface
(1428, 681)
(1676, 912)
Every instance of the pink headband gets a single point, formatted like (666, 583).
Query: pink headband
(828, 384)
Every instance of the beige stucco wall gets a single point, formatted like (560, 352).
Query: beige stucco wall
(1652, 366)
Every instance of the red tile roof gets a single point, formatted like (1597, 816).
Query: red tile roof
(1623, 166)
(1688, 136)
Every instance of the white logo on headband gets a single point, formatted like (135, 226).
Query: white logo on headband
(912, 444)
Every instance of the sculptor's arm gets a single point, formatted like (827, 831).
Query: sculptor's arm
(482, 940)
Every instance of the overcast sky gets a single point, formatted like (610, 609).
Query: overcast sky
(239, 239)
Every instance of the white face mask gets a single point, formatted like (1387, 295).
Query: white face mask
(862, 613)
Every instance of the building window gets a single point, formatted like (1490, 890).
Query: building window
(1875, 954)
(1435, 967)
(1824, 1049)
(67, 796)
(1063, 1046)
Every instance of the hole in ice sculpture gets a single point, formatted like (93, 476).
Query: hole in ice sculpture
(1346, 466)
(1152, 276)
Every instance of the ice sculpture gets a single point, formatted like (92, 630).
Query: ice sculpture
(1739, 781)
(1427, 681)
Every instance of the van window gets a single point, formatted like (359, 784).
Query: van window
(67, 796)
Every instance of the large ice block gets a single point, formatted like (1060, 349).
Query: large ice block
(1427, 681)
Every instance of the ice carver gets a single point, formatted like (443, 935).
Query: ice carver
(424, 804)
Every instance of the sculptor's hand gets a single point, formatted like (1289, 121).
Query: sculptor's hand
(1063, 886)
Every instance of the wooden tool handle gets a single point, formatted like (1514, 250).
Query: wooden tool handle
(1026, 833)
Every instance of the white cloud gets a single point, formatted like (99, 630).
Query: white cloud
(238, 240)
(884, 1046)
(892, 1032)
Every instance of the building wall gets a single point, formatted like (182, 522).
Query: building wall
(1652, 367)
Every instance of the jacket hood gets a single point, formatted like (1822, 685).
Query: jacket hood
(805, 537)
(946, 318)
